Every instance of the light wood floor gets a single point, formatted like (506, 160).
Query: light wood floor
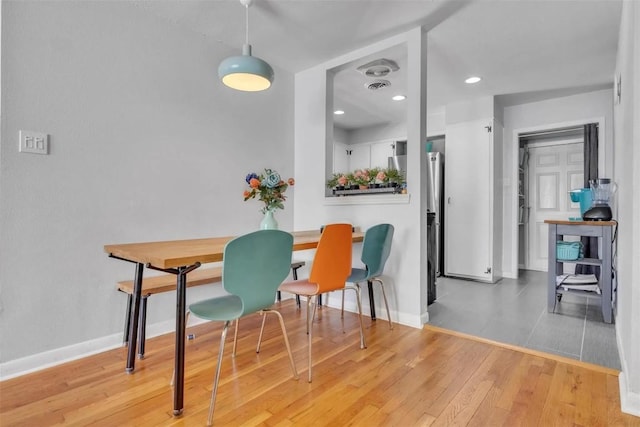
(406, 377)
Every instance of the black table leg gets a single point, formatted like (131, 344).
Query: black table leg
(372, 304)
(135, 312)
(142, 332)
(181, 301)
(181, 309)
(127, 321)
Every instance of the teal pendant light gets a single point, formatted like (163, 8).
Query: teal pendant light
(247, 73)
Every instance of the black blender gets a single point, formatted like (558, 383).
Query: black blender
(601, 190)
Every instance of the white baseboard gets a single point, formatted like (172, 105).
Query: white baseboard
(629, 401)
(58, 356)
(381, 313)
(510, 275)
(424, 318)
(47, 359)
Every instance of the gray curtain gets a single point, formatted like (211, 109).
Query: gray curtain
(590, 153)
(590, 244)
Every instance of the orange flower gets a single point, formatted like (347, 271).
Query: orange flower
(291, 181)
(246, 194)
(254, 183)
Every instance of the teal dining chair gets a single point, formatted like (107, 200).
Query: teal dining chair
(253, 267)
(376, 248)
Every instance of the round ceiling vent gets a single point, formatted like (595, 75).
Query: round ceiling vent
(377, 84)
(377, 71)
(378, 68)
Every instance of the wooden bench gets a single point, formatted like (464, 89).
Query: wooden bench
(155, 285)
(166, 283)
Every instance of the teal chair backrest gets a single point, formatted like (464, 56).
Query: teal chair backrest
(254, 265)
(376, 248)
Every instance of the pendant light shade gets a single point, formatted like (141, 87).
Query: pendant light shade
(247, 73)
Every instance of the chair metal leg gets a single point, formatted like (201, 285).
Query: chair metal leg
(386, 304)
(284, 334)
(312, 312)
(309, 309)
(264, 319)
(235, 338)
(216, 378)
(342, 309)
(356, 287)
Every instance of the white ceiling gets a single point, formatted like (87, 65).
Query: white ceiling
(524, 50)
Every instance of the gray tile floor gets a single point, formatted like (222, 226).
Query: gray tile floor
(515, 312)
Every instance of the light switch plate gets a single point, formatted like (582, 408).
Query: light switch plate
(34, 142)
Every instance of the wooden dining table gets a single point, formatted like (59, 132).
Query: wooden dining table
(180, 257)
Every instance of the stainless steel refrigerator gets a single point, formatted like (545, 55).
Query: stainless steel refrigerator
(435, 203)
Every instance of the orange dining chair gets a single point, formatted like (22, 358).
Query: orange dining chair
(329, 271)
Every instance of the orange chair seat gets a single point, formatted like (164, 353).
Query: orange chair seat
(300, 287)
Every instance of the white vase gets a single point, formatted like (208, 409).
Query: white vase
(269, 221)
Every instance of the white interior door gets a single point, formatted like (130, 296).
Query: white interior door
(468, 192)
(340, 158)
(360, 157)
(553, 171)
(380, 153)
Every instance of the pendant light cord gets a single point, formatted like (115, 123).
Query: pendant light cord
(247, 23)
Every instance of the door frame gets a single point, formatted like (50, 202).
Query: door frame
(512, 197)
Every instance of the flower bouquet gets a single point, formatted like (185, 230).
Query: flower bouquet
(269, 188)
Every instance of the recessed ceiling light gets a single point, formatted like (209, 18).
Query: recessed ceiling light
(338, 112)
(472, 80)
(399, 98)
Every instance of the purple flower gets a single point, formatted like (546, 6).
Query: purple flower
(250, 177)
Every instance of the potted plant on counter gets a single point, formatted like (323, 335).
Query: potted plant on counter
(393, 177)
(333, 181)
(338, 181)
(351, 182)
(377, 177)
(362, 178)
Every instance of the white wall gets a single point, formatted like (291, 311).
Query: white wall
(436, 122)
(405, 271)
(396, 131)
(145, 144)
(548, 114)
(464, 111)
(627, 176)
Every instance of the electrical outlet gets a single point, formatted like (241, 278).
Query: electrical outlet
(34, 142)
